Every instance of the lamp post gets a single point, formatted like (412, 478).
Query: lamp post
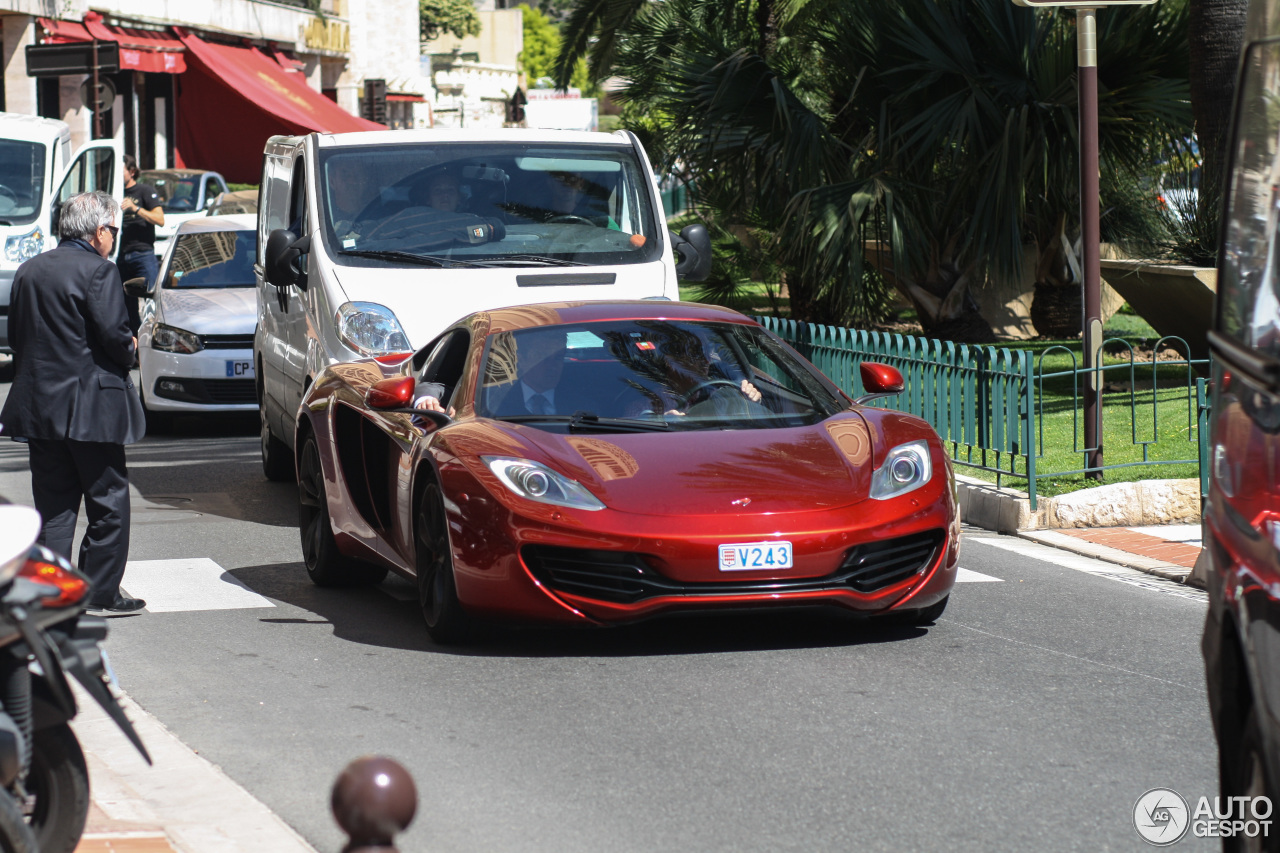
(1087, 98)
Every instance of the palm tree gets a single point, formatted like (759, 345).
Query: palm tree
(941, 130)
(1216, 34)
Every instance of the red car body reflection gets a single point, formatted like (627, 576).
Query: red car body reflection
(385, 487)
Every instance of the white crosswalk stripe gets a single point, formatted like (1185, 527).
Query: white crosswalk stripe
(1088, 565)
(969, 576)
(196, 583)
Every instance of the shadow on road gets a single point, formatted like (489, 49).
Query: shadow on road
(388, 616)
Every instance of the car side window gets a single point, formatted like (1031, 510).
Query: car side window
(447, 361)
(298, 198)
(1249, 287)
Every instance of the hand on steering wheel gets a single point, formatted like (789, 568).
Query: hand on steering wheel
(686, 399)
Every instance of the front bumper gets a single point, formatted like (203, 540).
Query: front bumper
(212, 380)
(606, 567)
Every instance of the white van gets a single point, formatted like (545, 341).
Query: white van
(38, 174)
(372, 243)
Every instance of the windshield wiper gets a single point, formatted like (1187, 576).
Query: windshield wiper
(582, 421)
(531, 260)
(588, 421)
(425, 260)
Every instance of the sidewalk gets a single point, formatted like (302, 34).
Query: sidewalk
(182, 804)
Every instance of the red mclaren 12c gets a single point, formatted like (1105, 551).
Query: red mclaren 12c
(601, 463)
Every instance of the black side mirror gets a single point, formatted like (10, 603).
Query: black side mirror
(693, 248)
(284, 250)
(137, 288)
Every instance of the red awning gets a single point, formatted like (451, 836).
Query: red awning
(412, 99)
(140, 50)
(233, 97)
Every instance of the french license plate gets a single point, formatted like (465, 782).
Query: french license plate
(755, 556)
(240, 368)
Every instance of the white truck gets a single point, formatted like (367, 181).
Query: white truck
(371, 244)
(37, 174)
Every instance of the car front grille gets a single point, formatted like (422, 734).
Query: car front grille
(227, 341)
(626, 577)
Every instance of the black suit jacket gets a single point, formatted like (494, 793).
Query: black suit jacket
(73, 349)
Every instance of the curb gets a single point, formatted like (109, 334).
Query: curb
(1138, 504)
(1085, 548)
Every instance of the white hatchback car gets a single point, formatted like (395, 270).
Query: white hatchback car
(195, 345)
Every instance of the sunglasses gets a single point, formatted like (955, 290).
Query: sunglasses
(115, 231)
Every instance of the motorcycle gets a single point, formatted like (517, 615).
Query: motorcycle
(44, 635)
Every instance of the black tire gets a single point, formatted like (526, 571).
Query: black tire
(326, 566)
(447, 623)
(1248, 778)
(921, 616)
(277, 461)
(15, 834)
(58, 784)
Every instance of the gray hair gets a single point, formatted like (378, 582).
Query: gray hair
(82, 215)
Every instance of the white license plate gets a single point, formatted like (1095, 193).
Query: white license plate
(240, 368)
(755, 556)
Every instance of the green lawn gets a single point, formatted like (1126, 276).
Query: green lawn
(1148, 416)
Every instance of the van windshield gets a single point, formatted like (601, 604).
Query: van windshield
(21, 181)
(492, 204)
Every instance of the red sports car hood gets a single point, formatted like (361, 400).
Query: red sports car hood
(823, 466)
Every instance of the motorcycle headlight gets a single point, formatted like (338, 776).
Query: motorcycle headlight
(171, 339)
(371, 329)
(905, 469)
(539, 483)
(24, 247)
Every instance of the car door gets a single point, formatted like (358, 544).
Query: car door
(1244, 506)
(95, 166)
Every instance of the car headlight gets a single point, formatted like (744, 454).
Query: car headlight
(24, 247)
(905, 469)
(170, 339)
(539, 483)
(371, 329)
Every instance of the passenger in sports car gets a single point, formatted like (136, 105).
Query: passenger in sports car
(690, 376)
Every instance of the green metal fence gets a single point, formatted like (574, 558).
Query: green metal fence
(988, 403)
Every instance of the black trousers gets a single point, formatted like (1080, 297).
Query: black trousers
(63, 473)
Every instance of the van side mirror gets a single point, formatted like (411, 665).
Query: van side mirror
(284, 250)
(137, 288)
(693, 248)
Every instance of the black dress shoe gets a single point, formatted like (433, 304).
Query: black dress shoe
(122, 604)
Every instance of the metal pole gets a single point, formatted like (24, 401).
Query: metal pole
(97, 94)
(1087, 77)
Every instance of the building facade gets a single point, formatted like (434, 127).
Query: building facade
(203, 83)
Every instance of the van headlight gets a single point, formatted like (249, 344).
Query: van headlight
(370, 329)
(537, 482)
(172, 339)
(25, 247)
(905, 469)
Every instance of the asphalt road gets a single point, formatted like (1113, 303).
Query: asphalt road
(1032, 716)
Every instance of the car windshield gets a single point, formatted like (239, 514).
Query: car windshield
(213, 259)
(621, 375)
(21, 181)
(178, 193)
(495, 204)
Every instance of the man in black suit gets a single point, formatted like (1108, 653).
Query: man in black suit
(71, 400)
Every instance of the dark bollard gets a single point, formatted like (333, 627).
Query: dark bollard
(373, 799)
